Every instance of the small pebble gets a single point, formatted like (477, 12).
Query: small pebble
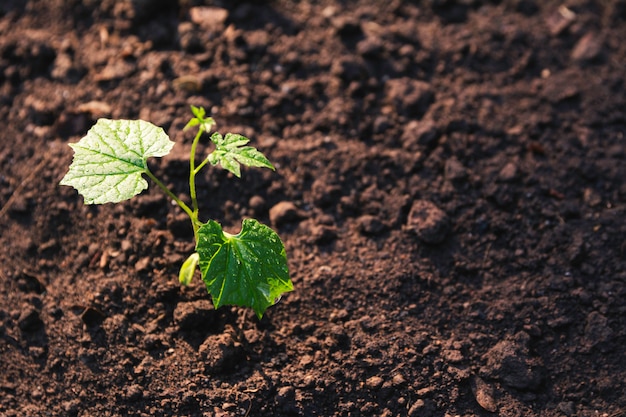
(143, 264)
(209, 18)
(484, 394)
(588, 48)
(374, 382)
(398, 379)
(508, 172)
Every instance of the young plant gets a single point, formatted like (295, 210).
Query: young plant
(248, 269)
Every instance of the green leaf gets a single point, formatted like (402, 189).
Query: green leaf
(199, 112)
(188, 269)
(248, 269)
(109, 162)
(230, 152)
(205, 123)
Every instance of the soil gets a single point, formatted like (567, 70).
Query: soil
(449, 188)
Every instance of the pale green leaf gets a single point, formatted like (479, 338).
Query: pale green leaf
(110, 160)
(191, 123)
(199, 112)
(251, 157)
(233, 140)
(248, 269)
(230, 152)
(188, 269)
(205, 123)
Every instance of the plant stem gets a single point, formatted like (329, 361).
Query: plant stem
(192, 174)
(202, 164)
(192, 211)
(193, 216)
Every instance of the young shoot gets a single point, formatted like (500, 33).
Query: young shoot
(248, 269)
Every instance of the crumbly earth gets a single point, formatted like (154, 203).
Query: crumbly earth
(449, 187)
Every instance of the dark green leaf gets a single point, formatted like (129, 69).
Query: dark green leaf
(248, 269)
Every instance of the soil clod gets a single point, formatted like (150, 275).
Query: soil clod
(428, 222)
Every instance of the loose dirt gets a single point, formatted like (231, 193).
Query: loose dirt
(449, 187)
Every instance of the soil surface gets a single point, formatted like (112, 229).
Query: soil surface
(449, 188)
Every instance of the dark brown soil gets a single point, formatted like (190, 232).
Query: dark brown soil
(458, 240)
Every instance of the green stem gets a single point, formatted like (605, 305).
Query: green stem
(193, 172)
(193, 216)
(202, 164)
(192, 211)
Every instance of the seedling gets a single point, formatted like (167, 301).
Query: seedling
(248, 269)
